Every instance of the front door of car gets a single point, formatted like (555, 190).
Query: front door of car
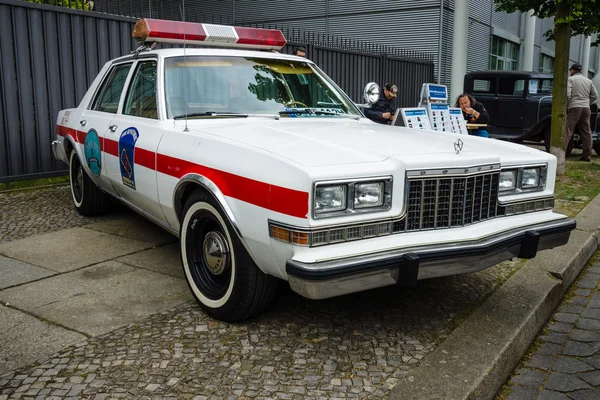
(95, 120)
(136, 133)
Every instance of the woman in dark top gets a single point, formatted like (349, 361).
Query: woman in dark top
(474, 113)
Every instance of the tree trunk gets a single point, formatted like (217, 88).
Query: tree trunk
(558, 143)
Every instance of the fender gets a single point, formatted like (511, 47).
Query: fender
(197, 179)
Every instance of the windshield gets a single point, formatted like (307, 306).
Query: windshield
(212, 86)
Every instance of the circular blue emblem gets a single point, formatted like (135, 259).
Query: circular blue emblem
(93, 156)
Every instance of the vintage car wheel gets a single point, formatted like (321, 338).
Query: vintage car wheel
(596, 147)
(219, 271)
(88, 199)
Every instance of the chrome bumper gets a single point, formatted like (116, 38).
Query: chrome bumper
(404, 267)
(59, 151)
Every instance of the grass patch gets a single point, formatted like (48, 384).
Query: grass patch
(577, 187)
(55, 180)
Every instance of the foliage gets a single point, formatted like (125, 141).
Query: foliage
(584, 16)
(78, 4)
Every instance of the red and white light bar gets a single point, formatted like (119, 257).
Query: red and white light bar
(163, 31)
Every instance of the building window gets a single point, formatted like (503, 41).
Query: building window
(505, 55)
(546, 63)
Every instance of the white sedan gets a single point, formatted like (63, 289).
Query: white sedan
(267, 171)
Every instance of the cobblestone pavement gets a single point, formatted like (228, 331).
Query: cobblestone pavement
(28, 212)
(565, 362)
(355, 346)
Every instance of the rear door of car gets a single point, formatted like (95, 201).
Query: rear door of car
(135, 133)
(511, 101)
(95, 120)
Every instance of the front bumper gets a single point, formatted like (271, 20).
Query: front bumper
(404, 267)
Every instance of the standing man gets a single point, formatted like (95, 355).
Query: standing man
(300, 52)
(382, 112)
(581, 93)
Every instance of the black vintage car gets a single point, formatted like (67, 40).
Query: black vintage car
(520, 105)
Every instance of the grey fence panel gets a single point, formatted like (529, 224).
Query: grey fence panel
(50, 55)
(24, 84)
(8, 85)
(41, 134)
(53, 74)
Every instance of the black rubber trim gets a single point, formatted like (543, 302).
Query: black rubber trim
(525, 238)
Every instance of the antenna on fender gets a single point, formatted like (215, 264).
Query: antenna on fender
(184, 71)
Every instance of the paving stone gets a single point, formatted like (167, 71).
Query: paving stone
(584, 336)
(578, 300)
(528, 378)
(593, 378)
(551, 395)
(560, 327)
(587, 284)
(578, 349)
(583, 292)
(591, 394)
(571, 308)
(594, 304)
(555, 337)
(594, 361)
(540, 362)
(592, 313)
(564, 383)
(570, 365)
(549, 349)
(565, 317)
(521, 393)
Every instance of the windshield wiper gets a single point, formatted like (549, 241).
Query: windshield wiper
(212, 114)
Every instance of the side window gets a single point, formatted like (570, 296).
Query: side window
(107, 98)
(141, 97)
(484, 86)
(511, 86)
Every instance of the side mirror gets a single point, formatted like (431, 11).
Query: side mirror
(371, 93)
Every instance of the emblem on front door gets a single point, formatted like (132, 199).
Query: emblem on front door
(458, 146)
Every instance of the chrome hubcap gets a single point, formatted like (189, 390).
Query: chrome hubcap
(216, 252)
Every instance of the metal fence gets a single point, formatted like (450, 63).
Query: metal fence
(49, 55)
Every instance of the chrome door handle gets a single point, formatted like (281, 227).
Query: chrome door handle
(83, 122)
(113, 128)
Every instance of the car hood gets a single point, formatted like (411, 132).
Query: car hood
(335, 141)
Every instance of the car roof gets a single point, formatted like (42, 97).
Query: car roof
(173, 52)
(524, 74)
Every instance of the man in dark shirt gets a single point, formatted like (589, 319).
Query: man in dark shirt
(382, 111)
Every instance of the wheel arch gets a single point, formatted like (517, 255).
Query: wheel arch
(192, 182)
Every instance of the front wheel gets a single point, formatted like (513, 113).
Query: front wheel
(88, 199)
(219, 271)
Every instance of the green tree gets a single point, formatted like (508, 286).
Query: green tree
(78, 4)
(571, 17)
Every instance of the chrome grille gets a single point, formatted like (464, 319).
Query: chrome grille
(444, 202)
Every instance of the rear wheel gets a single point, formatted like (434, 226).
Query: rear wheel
(596, 146)
(219, 271)
(88, 199)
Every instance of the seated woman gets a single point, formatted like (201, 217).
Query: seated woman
(474, 113)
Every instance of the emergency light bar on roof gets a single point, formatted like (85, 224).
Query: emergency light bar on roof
(163, 31)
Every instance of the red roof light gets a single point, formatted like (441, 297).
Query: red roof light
(162, 31)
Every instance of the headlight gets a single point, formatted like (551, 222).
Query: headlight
(368, 194)
(530, 178)
(363, 195)
(330, 198)
(508, 180)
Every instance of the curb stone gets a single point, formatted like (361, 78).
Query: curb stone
(479, 356)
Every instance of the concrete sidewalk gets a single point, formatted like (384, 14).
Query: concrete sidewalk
(479, 356)
(126, 270)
